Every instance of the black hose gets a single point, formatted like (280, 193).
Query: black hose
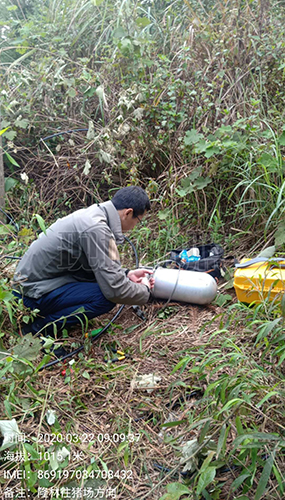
(12, 257)
(173, 406)
(64, 132)
(190, 474)
(162, 468)
(79, 349)
(10, 218)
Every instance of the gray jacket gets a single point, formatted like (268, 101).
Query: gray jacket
(80, 247)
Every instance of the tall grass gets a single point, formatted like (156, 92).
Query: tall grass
(238, 417)
(164, 69)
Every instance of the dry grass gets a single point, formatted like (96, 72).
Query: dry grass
(110, 403)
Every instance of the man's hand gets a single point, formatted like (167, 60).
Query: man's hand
(141, 276)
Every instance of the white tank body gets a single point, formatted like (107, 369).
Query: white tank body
(188, 286)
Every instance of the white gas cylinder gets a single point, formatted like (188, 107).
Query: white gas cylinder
(184, 286)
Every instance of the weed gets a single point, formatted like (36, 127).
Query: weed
(238, 401)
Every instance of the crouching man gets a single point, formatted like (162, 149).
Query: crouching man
(76, 264)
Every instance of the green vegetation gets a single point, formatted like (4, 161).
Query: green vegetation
(186, 99)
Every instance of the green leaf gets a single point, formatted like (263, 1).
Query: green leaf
(281, 358)
(201, 146)
(222, 440)
(164, 214)
(183, 192)
(258, 436)
(268, 252)
(97, 2)
(204, 431)
(205, 479)
(175, 491)
(7, 229)
(28, 348)
(239, 480)
(211, 151)
(30, 449)
(229, 404)
(8, 408)
(223, 130)
(269, 395)
(5, 295)
(4, 130)
(71, 92)
(207, 461)
(11, 160)
(229, 144)
(280, 235)
(85, 374)
(43, 362)
(174, 424)
(239, 425)
(279, 479)
(142, 22)
(23, 123)
(222, 299)
(41, 223)
(191, 177)
(10, 136)
(10, 311)
(181, 364)
(282, 139)
(10, 183)
(265, 475)
(269, 161)
(119, 33)
(48, 342)
(192, 137)
(202, 182)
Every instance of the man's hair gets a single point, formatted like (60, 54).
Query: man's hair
(132, 197)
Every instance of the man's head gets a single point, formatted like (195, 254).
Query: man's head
(132, 203)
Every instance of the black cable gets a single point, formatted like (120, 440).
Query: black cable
(162, 468)
(177, 278)
(79, 349)
(10, 218)
(134, 249)
(12, 257)
(189, 474)
(64, 132)
(173, 406)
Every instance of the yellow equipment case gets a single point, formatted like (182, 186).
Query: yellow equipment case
(260, 280)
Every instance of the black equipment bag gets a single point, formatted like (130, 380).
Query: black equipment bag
(207, 263)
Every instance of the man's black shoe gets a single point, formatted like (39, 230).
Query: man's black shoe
(59, 352)
(26, 328)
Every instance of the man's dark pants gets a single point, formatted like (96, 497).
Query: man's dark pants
(60, 306)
